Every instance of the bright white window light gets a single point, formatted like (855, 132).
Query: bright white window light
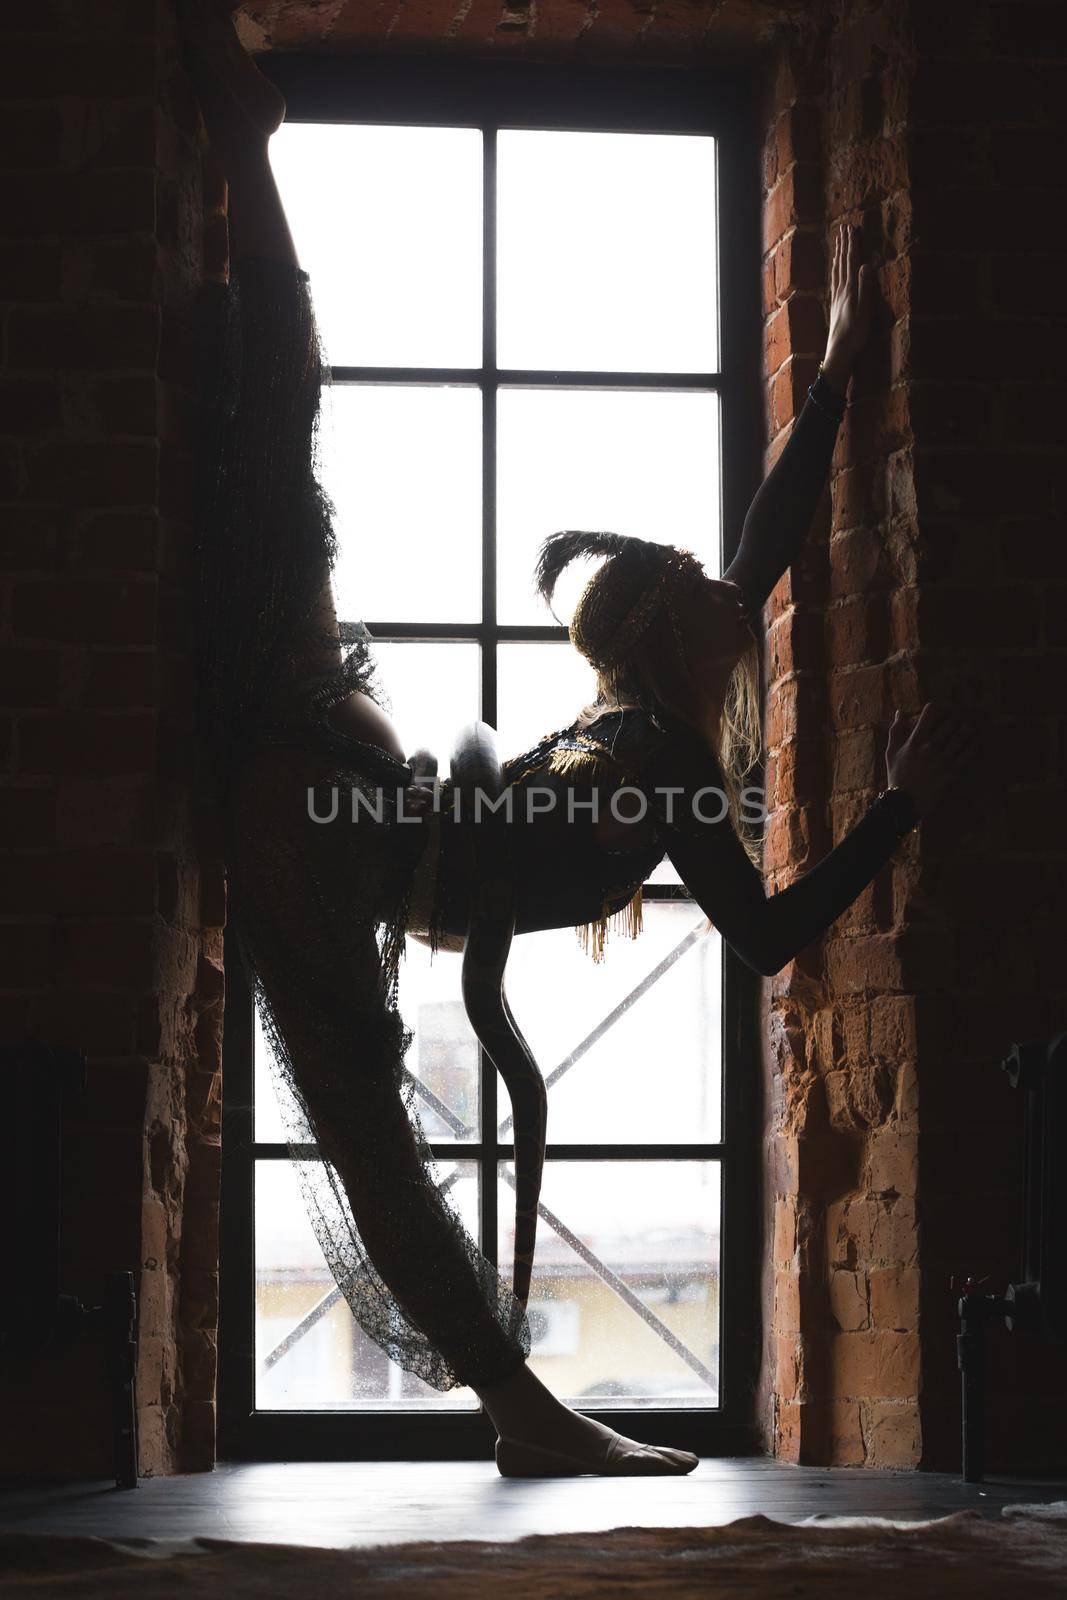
(607, 251)
(388, 223)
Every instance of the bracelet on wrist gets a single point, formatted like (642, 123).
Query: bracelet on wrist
(902, 806)
(840, 391)
(825, 397)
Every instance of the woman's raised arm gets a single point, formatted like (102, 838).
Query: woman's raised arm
(777, 522)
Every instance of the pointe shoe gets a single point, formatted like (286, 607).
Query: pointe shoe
(516, 1459)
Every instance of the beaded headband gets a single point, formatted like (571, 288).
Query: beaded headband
(677, 569)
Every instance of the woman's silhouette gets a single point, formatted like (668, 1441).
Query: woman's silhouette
(321, 909)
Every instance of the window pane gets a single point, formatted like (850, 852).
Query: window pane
(654, 1225)
(643, 1027)
(607, 251)
(433, 689)
(665, 872)
(403, 468)
(388, 223)
(541, 686)
(333, 1365)
(617, 460)
(444, 1051)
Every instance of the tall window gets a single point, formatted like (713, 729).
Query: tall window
(522, 317)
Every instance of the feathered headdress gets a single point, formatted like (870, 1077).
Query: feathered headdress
(623, 596)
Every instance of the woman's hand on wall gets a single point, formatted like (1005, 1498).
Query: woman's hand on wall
(936, 757)
(852, 296)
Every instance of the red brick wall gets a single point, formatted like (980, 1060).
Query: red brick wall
(934, 573)
(112, 908)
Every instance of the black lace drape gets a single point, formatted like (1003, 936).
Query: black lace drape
(319, 908)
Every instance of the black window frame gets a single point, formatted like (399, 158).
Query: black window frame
(488, 94)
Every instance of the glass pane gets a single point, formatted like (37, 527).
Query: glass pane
(643, 1029)
(332, 1365)
(607, 251)
(403, 468)
(653, 1227)
(433, 689)
(444, 1052)
(666, 872)
(541, 686)
(613, 460)
(388, 223)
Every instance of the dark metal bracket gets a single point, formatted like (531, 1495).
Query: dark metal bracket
(37, 1320)
(1037, 1304)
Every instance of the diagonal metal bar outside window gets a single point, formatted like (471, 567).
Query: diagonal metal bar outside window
(622, 1289)
(300, 1329)
(624, 1005)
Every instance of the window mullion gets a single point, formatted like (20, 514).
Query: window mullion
(489, 407)
(487, 1071)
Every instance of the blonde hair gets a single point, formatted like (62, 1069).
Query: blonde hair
(739, 737)
(740, 742)
(626, 627)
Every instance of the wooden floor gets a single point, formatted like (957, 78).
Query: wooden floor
(348, 1503)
